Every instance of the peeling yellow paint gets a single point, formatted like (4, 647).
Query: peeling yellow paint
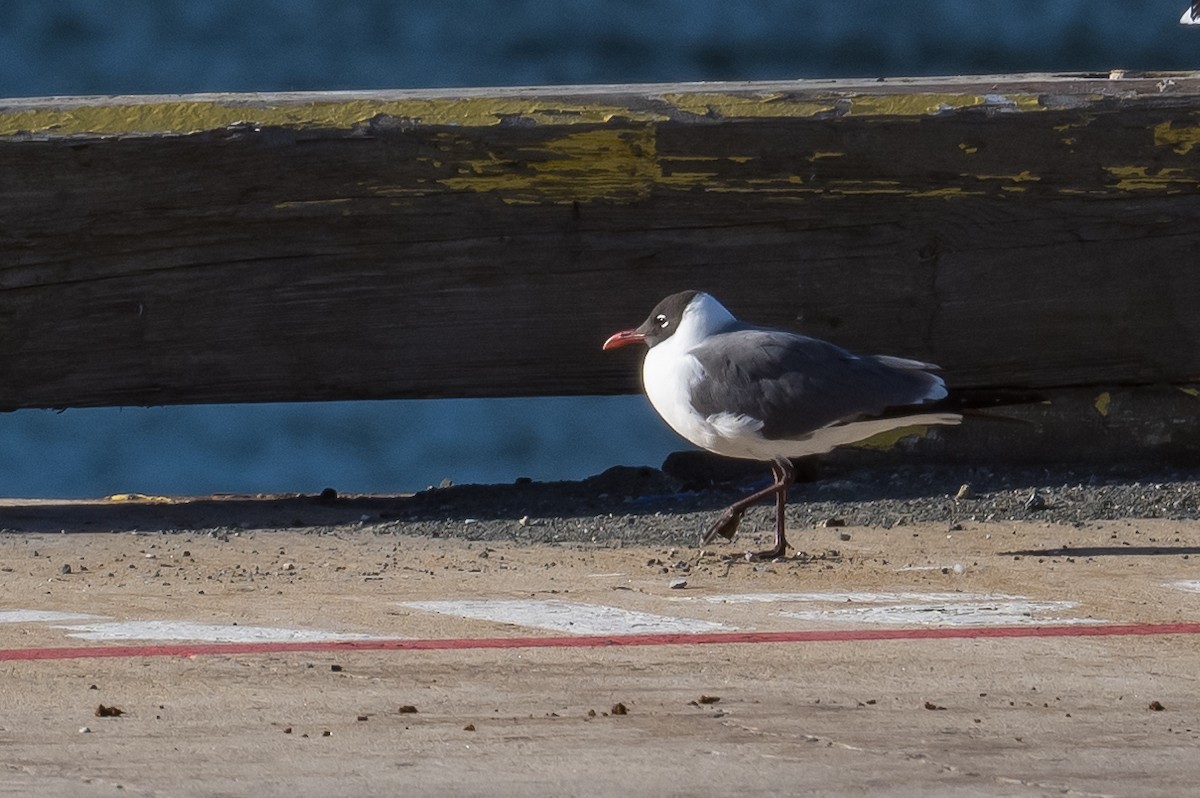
(689, 158)
(1081, 123)
(582, 159)
(124, 498)
(1140, 178)
(1022, 177)
(733, 106)
(730, 106)
(1070, 142)
(917, 104)
(1026, 102)
(1190, 391)
(947, 193)
(584, 166)
(1181, 139)
(866, 184)
(855, 191)
(191, 115)
(889, 439)
(1102, 402)
(797, 186)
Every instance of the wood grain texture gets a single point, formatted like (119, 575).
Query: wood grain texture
(1018, 230)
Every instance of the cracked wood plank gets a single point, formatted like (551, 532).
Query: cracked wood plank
(1021, 230)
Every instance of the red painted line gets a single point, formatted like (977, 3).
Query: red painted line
(598, 641)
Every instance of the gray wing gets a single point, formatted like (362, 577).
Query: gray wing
(795, 384)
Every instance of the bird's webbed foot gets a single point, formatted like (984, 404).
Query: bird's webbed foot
(726, 526)
(773, 553)
(766, 555)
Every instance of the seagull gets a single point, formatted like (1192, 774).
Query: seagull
(1192, 15)
(770, 395)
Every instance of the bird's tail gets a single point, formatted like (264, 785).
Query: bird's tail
(976, 403)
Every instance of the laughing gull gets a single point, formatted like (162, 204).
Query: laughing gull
(771, 395)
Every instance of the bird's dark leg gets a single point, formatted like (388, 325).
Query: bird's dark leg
(785, 475)
(726, 525)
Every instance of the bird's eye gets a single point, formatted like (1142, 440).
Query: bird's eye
(661, 320)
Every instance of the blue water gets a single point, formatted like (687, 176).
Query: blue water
(62, 47)
(351, 446)
(141, 46)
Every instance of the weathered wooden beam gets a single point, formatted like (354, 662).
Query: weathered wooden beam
(1020, 230)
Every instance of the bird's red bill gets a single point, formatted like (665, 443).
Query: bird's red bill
(624, 338)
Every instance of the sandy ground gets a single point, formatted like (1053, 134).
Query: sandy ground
(1112, 715)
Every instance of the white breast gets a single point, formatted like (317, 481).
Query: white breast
(668, 376)
(669, 373)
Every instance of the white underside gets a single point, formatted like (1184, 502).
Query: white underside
(1187, 19)
(668, 376)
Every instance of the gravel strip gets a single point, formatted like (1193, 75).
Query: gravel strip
(645, 506)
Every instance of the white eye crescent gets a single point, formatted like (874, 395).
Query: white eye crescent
(661, 320)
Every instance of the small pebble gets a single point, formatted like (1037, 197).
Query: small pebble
(965, 491)
(678, 583)
(85, 730)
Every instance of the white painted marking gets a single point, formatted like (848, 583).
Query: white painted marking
(864, 598)
(1188, 585)
(566, 616)
(42, 616)
(913, 608)
(203, 632)
(997, 613)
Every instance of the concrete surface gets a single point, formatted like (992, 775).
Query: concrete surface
(968, 716)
